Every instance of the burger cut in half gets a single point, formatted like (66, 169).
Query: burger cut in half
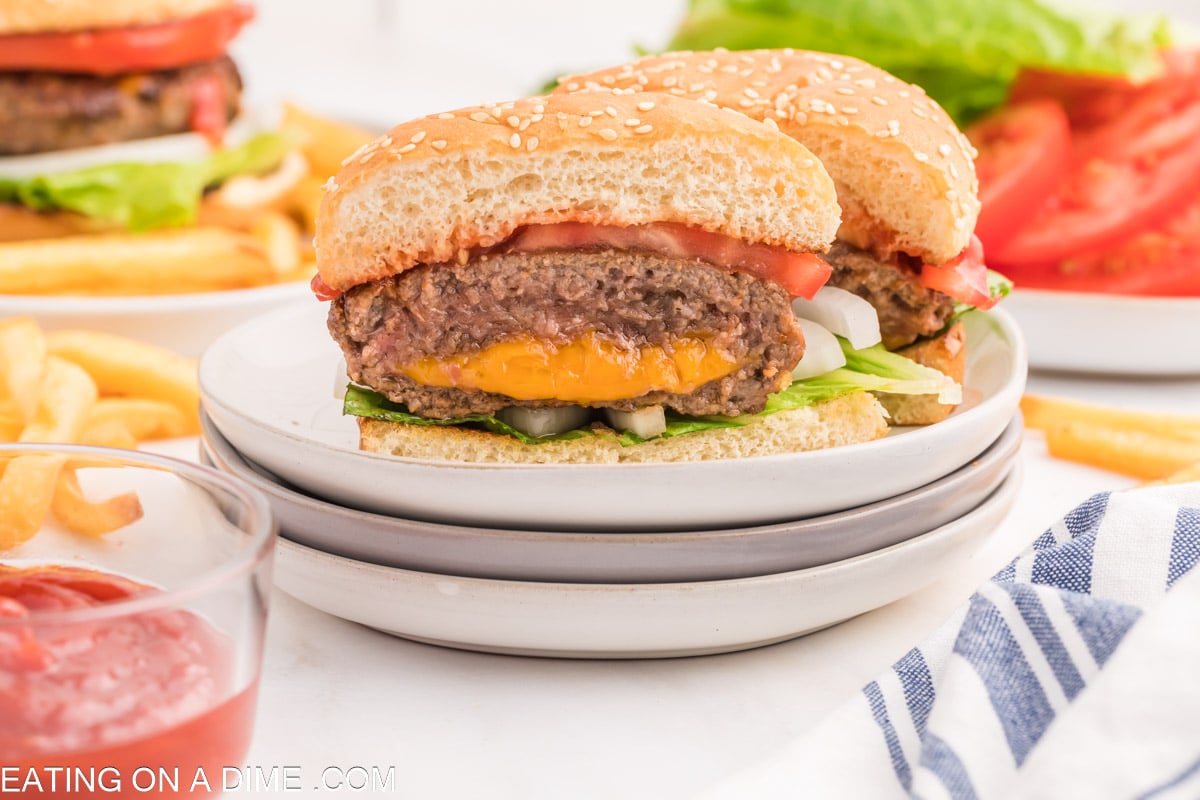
(587, 278)
(121, 115)
(905, 180)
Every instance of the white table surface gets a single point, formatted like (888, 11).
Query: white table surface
(459, 724)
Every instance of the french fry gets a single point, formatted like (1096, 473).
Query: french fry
(108, 433)
(324, 142)
(1148, 456)
(279, 236)
(1044, 413)
(26, 490)
(140, 417)
(161, 262)
(305, 201)
(65, 396)
(126, 368)
(81, 515)
(22, 359)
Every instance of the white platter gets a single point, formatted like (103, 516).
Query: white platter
(1109, 334)
(268, 388)
(185, 323)
(581, 620)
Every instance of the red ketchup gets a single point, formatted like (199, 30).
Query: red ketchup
(132, 705)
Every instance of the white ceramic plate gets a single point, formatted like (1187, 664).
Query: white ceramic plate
(185, 323)
(1113, 334)
(582, 620)
(634, 557)
(268, 388)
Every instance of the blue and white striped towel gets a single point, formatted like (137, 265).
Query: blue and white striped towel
(1073, 673)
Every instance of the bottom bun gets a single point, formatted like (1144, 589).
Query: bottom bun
(852, 418)
(946, 353)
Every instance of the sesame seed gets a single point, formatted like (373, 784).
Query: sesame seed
(883, 133)
(645, 105)
(849, 109)
(445, 115)
(585, 121)
(386, 141)
(771, 123)
(438, 144)
(573, 86)
(539, 108)
(879, 101)
(746, 73)
(535, 118)
(944, 149)
(953, 170)
(330, 185)
(608, 134)
(632, 122)
(408, 148)
(745, 102)
(513, 121)
(612, 112)
(730, 68)
(480, 116)
(751, 93)
(903, 93)
(643, 129)
(866, 83)
(845, 90)
(609, 80)
(416, 139)
(596, 113)
(922, 157)
(531, 144)
(367, 157)
(670, 81)
(919, 113)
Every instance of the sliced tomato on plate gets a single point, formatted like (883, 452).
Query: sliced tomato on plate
(1023, 151)
(113, 51)
(801, 274)
(1161, 262)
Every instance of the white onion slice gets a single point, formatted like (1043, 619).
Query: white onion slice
(538, 422)
(822, 353)
(843, 313)
(340, 379)
(177, 147)
(646, 422)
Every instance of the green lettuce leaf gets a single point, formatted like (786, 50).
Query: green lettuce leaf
(965, 54)
(144, 196)
(873, 369)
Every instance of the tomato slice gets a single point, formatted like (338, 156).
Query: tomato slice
(1023, 151)
(801, 274)
(1106, 199)
(322, 290)
(117, 50)
(1162, 262)
(965, 278)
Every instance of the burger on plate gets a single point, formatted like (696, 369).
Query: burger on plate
(122, 115)
(595, 277)
(904, 175)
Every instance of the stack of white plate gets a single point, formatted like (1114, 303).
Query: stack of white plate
(639, 560)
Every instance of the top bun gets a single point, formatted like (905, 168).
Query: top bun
(433, 189)
(60, 16)
(904, 172)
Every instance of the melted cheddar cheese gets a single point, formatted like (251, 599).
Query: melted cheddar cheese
(590, 369)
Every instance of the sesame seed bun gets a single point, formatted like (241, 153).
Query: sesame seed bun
(60, 16)
(904, 172)
(434, 189)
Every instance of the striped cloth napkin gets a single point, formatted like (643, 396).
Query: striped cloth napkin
(1073, 673)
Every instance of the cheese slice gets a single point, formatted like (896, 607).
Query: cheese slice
(590, 369)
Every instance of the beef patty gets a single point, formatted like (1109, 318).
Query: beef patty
(44, 111)
(907, 309)
(629, 298)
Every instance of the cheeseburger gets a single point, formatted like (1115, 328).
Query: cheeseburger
(905, 181)
(120, 115)
(592, 277)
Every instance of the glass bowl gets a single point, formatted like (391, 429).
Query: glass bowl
(133, 607)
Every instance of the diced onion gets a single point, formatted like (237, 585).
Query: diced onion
(646, 422)
(843, 313)
(175, 148)
(340, 379)
(822, 353)
(538, 422)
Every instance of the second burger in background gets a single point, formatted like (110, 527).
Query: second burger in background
(590, 278)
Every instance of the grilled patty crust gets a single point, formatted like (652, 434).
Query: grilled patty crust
(907, 309)
(625, 297)
(44, 111)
